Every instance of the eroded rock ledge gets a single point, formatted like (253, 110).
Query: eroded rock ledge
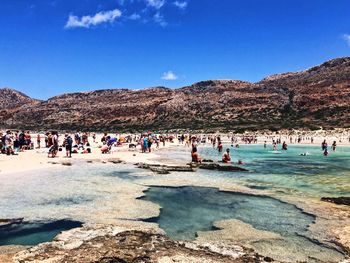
(337, 200)
(209, 165)
(121, 245)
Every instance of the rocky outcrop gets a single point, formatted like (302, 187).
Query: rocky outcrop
(165, 169)
(11, 99)
(311, 98)
(121, 245)
(337, 200)
(221, 167)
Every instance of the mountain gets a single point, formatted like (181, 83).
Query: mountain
(10, 102)
(313, 98)
(12, 99)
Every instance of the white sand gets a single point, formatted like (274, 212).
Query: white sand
(37, 159)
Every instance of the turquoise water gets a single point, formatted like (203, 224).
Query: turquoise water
(34, 233)
(186, 210)
(288, 172)
(77, 192)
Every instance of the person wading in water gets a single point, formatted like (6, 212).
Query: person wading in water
(226, 158)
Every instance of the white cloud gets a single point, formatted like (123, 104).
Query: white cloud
(159, 19)
(169, 76)
(135, 16)
(181, 5)
(87, 21)
(346, 37)
(155, 3)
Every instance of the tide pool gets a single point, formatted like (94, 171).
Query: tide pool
(187, 210)
(29, 234)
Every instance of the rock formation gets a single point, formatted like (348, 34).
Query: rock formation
(313, 98)
(111, 244)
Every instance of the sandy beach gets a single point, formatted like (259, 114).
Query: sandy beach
(37, 158)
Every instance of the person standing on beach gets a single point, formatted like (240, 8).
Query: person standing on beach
(145, 144)
(22, 140)
(49, 140)
(38, 140)
(7, 140)
(16, 143)
(69, 144)
(46, 140)
(150, 142)
(77, 138)
(54, 147)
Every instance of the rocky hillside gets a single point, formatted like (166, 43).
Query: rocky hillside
(319, 96)
(12, 99)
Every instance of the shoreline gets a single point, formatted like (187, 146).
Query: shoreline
(323, 211)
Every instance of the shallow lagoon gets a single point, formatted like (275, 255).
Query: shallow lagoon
(314, 175)
(90, 192)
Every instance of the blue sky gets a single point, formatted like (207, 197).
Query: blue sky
(49, 47)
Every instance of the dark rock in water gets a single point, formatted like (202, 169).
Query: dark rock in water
(268, 259)
(221, 167)
(53, 162)
(160, 170)
(115, 161)
(337, 200)
(164, 169)
(207, 161)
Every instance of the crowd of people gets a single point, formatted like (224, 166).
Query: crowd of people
(14, 142)
(217, 143)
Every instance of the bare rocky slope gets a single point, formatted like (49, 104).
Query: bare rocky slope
(319, 96)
